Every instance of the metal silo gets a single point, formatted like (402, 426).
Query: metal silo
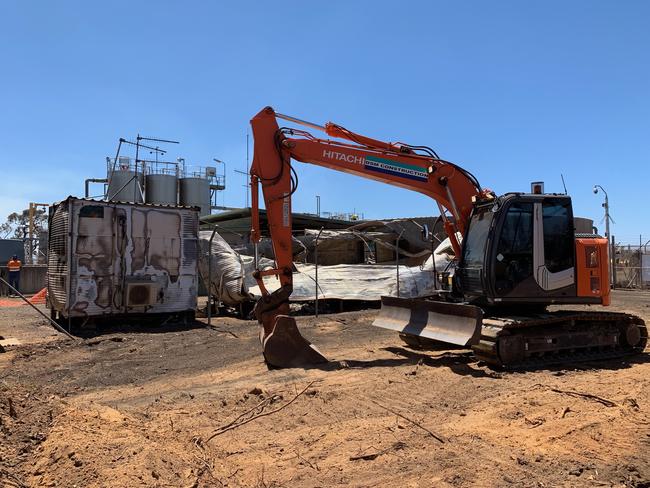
(195, 192)
(125, 183)
(162, 189)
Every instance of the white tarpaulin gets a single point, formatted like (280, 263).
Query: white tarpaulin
(355, 282)
(361, 281)
(233, 283)
(228, 269)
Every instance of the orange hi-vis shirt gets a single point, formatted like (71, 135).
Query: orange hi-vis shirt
(14, 265)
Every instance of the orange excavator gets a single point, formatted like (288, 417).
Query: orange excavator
(515, 255)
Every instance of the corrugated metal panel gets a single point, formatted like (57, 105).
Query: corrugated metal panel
(57, 258)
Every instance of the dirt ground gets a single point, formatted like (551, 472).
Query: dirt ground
(198, 408)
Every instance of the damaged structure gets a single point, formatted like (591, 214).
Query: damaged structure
(356, 261)
(110, 258)
(361, 262)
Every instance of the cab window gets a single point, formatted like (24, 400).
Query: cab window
(558, 236)
(514, 256)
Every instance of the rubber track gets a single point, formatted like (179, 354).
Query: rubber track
(495, 329)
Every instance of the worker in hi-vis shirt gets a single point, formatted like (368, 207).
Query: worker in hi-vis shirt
(14, 266)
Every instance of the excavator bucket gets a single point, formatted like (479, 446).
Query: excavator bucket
(440, 321)
(285, 347)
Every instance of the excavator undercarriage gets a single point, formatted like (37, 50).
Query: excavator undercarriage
(519, 342)
(516, 341)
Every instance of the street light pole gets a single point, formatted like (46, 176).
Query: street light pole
(610, 246)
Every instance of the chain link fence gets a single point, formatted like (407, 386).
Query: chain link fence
(632, 266)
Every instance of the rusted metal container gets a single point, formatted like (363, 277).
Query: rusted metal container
(109, 258)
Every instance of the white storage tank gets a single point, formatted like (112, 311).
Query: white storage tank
(162, 189)
(195, 192)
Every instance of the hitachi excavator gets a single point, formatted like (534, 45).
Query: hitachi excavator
(516, 255)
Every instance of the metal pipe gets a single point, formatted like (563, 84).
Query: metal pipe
(397, 259)
(137, 153)
(612, 251)
(56, 326)
(290, 118)
(92, 180)
(316, 269)
(450, 196)
(214, 231)
(117, 155)
(610, 243)
(156, 140)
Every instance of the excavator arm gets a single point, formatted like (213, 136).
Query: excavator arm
(415, 168)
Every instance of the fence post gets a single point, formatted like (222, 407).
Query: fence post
(316, 270)
(612, 250)
(397, 259)
(640, 263)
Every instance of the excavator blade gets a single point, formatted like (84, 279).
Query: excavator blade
(441, 321)
(285, 347)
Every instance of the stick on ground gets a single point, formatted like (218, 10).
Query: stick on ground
(604, 401)
(56, 326)
(436, 437)
(232, 425)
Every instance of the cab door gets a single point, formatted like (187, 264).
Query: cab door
(513, 264)
(553, 249)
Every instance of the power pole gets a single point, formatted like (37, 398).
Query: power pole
(610, 242)
(247, 185)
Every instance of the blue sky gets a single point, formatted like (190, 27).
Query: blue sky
(513, 91)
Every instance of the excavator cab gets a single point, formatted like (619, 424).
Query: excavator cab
(522, 249)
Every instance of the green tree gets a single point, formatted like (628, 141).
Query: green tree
(17, 224)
